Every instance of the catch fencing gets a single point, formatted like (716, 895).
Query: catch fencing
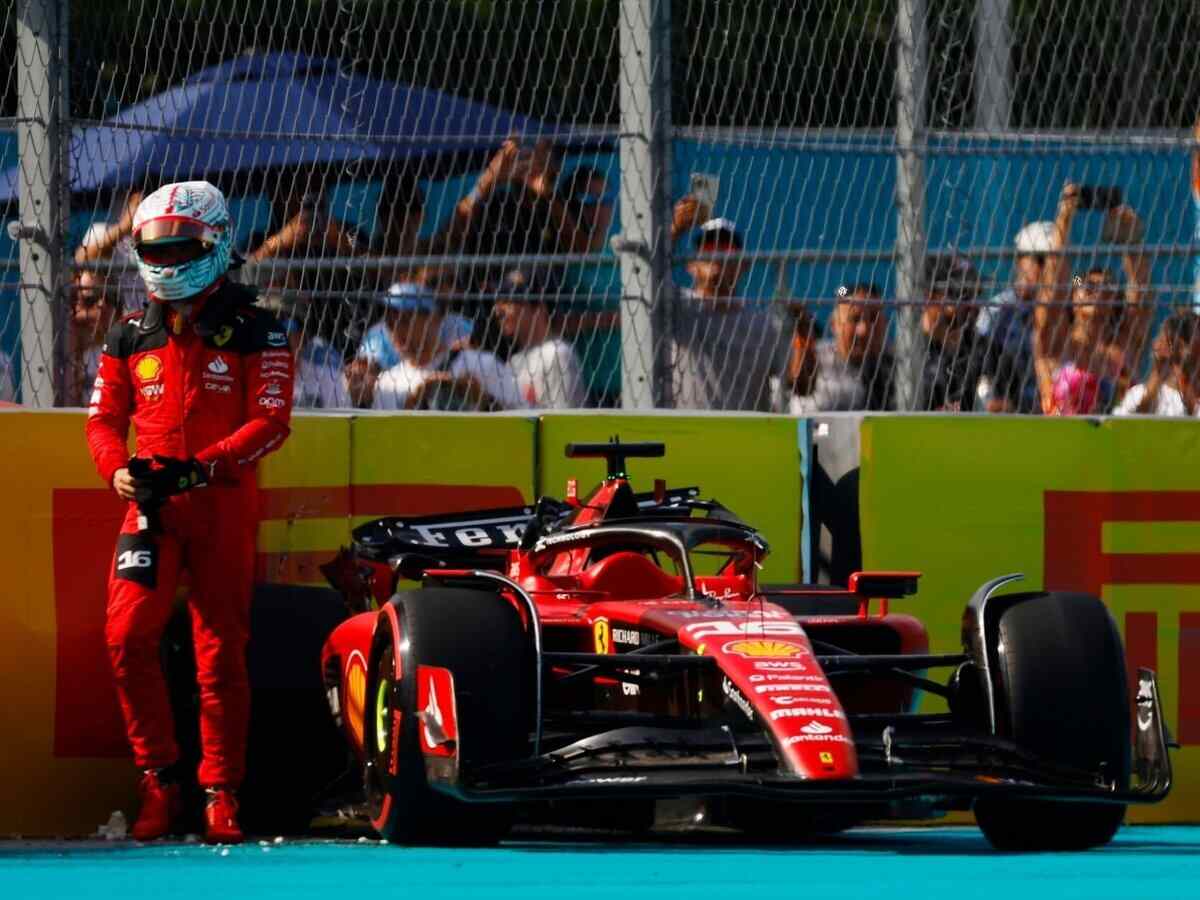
(539, 173)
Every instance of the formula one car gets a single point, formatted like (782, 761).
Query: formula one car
(614, 660)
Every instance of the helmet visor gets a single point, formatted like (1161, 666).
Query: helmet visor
(174, 240)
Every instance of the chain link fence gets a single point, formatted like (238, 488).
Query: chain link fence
(986, 205)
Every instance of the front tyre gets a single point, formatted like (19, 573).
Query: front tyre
(1062, 694)
(479, 638)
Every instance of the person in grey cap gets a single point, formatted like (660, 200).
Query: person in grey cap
(725, 348)
(961, 371)
(433, 374)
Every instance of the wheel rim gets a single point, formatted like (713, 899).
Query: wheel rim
(383, 708)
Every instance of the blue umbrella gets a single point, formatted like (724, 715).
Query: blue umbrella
(265, 111)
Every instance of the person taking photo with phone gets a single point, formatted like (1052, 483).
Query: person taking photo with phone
(1089, 333)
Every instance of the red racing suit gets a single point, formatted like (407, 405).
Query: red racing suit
(219, 391)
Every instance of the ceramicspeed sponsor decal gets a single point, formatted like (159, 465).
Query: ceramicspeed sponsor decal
(792, 700)
(737, 698)
(768, 650)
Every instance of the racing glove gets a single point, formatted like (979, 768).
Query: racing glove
(165, 477)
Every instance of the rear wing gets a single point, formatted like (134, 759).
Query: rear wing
(480, 538)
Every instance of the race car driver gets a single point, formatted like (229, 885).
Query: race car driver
(206, 380)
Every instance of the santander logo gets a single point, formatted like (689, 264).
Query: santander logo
(218, 366)
(816, 728)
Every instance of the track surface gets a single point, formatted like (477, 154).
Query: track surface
(926, 863)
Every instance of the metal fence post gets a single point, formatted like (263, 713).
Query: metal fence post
(644, 244)
(911, 81)
(993, 49)
(42, 134)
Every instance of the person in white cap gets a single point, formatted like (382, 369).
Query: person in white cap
(434, 374)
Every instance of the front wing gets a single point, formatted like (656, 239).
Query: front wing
(913, 757)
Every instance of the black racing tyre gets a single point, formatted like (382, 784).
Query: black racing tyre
(1061, 693)
(478, 636)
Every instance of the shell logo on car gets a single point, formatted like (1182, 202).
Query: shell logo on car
(148, 368)
(356, 694)
(765, 649)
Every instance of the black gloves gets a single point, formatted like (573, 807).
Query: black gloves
(161, 478)
(177, 476)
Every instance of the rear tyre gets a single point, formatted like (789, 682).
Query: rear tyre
(1062, 694)
(480, 639)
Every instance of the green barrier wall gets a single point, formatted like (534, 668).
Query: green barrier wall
(1110, 507)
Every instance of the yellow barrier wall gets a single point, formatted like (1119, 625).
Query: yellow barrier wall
(64, 765)
(1109, 507)
(749, 463)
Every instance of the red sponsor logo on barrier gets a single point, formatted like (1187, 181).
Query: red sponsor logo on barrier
(1075, 559)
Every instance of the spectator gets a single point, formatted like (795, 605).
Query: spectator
(725, 348)
(432, 374)
(377, 351)
(1087, 349)
(795, 390)
(95, 305)
(1173, 388)
(854, 366)
(1008, 316)
(961, 372)
(306, 230)
(543, 364)
(109, 240)
(583, 215)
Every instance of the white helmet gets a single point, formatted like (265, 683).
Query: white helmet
(182, 239)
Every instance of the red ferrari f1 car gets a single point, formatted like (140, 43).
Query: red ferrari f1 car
(614, 658)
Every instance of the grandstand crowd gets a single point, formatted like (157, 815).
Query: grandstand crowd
(380, 335)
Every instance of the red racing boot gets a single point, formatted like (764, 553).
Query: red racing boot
(162, 804)
(220, 818)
